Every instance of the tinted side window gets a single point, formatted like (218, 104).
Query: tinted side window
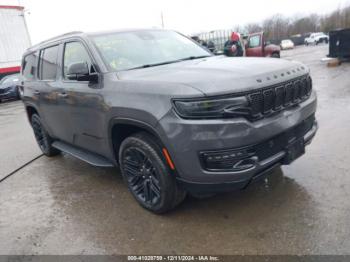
(75, 52)
(29, 66)
(254, 41)
(48, 63)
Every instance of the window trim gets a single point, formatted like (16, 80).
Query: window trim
(93, 63)
(41, 50)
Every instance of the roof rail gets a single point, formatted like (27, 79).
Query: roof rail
(56, 37)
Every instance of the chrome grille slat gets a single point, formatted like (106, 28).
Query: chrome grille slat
(288, 94)
(269, 100)
(279, 97)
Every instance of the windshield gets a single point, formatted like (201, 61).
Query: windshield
(128, 50)
(9, 79)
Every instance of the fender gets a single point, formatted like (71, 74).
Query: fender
(133, 122)
(28, 104)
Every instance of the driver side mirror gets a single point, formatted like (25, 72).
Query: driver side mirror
(80, 72)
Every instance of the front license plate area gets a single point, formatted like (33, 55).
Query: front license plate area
(294, 150)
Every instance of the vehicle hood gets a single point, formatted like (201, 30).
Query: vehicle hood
(220, 74)
(3, 86)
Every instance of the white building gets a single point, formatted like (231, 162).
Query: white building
(14, 38)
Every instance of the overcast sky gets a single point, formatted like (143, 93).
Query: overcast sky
(47, 18)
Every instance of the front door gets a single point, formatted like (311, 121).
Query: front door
(255, 45)
(86, 104)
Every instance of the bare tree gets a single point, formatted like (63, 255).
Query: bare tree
(253, 28)
(278, 27)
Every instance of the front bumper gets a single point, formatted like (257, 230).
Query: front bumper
(261, 170)
(9, 94)
(186, 139)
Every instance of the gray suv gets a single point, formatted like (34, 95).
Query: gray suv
(172, 116)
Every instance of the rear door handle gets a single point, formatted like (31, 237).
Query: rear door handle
(63, 95)
(36, 92)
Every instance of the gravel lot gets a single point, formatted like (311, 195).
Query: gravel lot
(61, 205)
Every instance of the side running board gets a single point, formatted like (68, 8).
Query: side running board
(91, 158)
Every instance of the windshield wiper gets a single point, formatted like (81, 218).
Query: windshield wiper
(194, 57)
(168, 62)
(156, 64)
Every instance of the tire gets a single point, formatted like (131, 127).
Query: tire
(147, 174)
(42, 137)
(275, 55)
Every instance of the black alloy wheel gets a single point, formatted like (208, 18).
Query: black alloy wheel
(39, 135)
(142, 176)
(42, 137)
(147, 174)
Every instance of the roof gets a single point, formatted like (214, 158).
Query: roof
(103, 32)
(56, 38)
(340, 30)
(12, 7)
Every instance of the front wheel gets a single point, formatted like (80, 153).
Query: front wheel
(42, 137)
(147, 174)
(19, 93)
(275, 55)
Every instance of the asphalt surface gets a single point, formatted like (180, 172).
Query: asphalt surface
(17, 145)
(61, 205)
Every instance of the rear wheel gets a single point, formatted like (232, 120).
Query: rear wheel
(147, 174)
(42, 137)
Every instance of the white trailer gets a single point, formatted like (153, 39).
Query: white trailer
(14, 38)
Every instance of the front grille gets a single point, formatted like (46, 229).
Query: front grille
(4, 90)
(272, 99)
(238, 158)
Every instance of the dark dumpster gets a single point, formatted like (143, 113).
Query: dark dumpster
(339, 43)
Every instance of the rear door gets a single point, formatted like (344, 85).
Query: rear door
(53, 106)
(255, 45)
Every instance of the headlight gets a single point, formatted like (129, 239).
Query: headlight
(212, 108)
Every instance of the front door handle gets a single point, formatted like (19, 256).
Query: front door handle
(36, 92)
(63, 95)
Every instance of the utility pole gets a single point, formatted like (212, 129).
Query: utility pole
(162, 18)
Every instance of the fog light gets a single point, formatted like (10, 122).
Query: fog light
(228, 160)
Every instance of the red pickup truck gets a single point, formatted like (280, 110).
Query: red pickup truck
(257, 46)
